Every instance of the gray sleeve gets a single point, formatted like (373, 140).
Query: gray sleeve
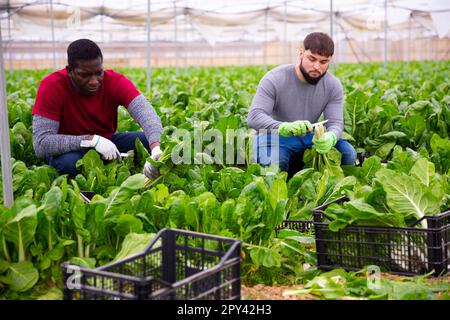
(262, 107)
(143, 113)
(334, 112)
(46, 140)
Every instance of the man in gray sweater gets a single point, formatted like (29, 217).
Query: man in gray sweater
(291, 97)
(76, 110)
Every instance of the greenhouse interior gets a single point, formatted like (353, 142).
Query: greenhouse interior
(225, 150)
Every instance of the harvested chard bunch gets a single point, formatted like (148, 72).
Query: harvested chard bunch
(161, 164)
(320, 161)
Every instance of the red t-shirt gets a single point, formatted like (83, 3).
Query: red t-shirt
(58, 100)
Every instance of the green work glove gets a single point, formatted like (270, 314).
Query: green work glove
(324, 144)
(296, 128)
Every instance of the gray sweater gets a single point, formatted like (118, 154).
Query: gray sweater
(282, 97)
(47, 142)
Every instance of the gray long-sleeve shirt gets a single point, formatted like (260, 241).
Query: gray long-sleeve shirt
(282, 97)
(47, 142)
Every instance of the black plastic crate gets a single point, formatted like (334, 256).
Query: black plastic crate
(87, 196)
(362, 156)
(405, 251)
(303, 226)
(177, 264)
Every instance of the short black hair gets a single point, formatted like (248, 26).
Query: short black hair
(319, 43)
(82, 49)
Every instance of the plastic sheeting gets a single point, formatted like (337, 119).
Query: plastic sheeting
(441, 23)
(224, 21)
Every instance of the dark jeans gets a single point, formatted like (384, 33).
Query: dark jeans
(65, 163)
(274, 149)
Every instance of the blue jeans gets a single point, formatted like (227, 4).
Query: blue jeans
(65, 163)
(274, 149)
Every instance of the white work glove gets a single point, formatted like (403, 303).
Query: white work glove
(150, 171)
(105, 147)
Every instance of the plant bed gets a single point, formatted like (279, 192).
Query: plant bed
(399, 250)
(177, 264)
(338, 285)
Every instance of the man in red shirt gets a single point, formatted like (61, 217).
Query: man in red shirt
(76, 109)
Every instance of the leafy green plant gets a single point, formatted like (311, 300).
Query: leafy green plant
(338, 284)
(401, 121)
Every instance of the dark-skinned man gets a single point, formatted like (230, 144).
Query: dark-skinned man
(76, 110)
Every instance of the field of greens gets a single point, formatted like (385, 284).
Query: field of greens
(398, 117)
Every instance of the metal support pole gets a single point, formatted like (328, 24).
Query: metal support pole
(9, 40)
(285, 58)
(385, 33)
(265, 39)
(331, 19)
(102, 16)
(408, 48)
(331, 29)
(149, 49)
(175, 35)
(186, 23)
(5, 148)
(128, 29)
(53, 34)
(430, 48)
(337, 45)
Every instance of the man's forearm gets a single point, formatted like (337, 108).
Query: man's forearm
(337, 131)
(144, 114)
(154, 144)
(260, 113)
(334, 115)
(46, 140)
(258, 119)
(334, 112)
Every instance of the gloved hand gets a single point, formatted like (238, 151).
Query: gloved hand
(104, 146)
(149, 170)
(324, 144)
(296, 128)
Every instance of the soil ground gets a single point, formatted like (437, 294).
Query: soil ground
(263, 292)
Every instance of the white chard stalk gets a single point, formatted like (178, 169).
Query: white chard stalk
(319, 131)
(319, 160)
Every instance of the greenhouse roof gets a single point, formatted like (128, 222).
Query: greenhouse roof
(222, 20)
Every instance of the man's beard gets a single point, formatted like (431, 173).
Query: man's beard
(308, 78)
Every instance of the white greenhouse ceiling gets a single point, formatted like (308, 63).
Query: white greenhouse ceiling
(221, 20)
